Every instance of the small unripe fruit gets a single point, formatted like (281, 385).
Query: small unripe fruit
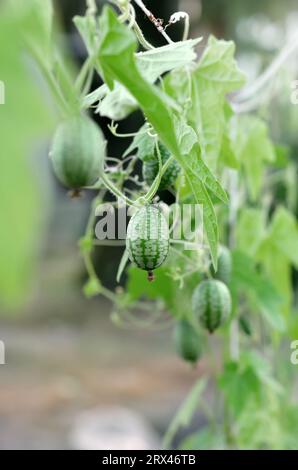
(245, 325)
(147, 239)
(224, 266)
(151, 167)
(78, 152)
(211, 303)
(187, 341)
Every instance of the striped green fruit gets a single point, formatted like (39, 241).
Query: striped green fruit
(224, 266)
(187, 341)
(211, 303)
(78, 152)
(147, 239)
(151, 167)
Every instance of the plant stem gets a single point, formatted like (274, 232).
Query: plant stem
(116, 191)
(153, 20)
(186, 28)
(155, 185)
(141, 38)
(91, 8)
(87, 255)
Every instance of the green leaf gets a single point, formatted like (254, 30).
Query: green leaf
(262, 369)
(247, 280)
(177, 84)
(92, 288)
(278, 251)
(185, 412)
(283, 234)
(144, 144)
(282, 154)
(208, 114)
(139, 287)
(192, 162)
(240, 385)
(215, 76)
(254, 149)
(218, 65)
(167, 286)
(227, 154)
(87, 29)
(278, 269)
(250, 230)
(154, 63)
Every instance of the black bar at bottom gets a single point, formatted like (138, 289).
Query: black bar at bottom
(136, 459)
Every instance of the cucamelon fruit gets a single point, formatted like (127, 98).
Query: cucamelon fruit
(147, 239)
(211, 303)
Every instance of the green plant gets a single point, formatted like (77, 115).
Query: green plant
(229, 167)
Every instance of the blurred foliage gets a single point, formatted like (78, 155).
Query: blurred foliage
(25, 116)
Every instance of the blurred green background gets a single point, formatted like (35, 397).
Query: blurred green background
(63, 354)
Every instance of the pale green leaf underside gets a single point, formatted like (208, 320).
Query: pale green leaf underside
(119, 102)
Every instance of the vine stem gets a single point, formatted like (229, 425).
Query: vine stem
(87, 254)
(245, 101)
(91, 8)
(235, 201)
(128, 14)
(153, 20)
(114, 190)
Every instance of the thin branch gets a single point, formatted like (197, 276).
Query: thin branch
(157, 22)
